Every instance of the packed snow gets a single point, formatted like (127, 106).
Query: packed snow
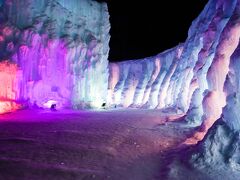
(117, 144)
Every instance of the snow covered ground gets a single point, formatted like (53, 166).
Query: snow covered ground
(119, 144)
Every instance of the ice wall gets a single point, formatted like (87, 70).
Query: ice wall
(61, 47)
(201, 80)
(214, 104)
(186, 73)
(138, 83)
(182, 87)
(221, 145)
(193, 81)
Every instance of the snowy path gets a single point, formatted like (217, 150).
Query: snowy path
(86, 145)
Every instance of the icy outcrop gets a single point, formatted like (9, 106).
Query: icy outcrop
(232, 88)
(221, 145)
(61, 47)
(220, 148)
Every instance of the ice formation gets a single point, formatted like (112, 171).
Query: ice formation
(199, 78)
(57, 53)
(60, 48)
(189, 78)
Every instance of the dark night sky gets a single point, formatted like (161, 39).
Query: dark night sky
(149, 27)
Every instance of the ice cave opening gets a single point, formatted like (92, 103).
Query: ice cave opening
(54, 55)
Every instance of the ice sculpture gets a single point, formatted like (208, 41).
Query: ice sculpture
(61, 47)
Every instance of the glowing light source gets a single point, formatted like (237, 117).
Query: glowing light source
(49, 103)
(8, 106)
(8, 89)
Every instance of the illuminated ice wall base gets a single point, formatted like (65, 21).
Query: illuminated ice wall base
(60, 49)
(8, 87)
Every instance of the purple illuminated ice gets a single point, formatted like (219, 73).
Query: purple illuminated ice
(61, 49)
